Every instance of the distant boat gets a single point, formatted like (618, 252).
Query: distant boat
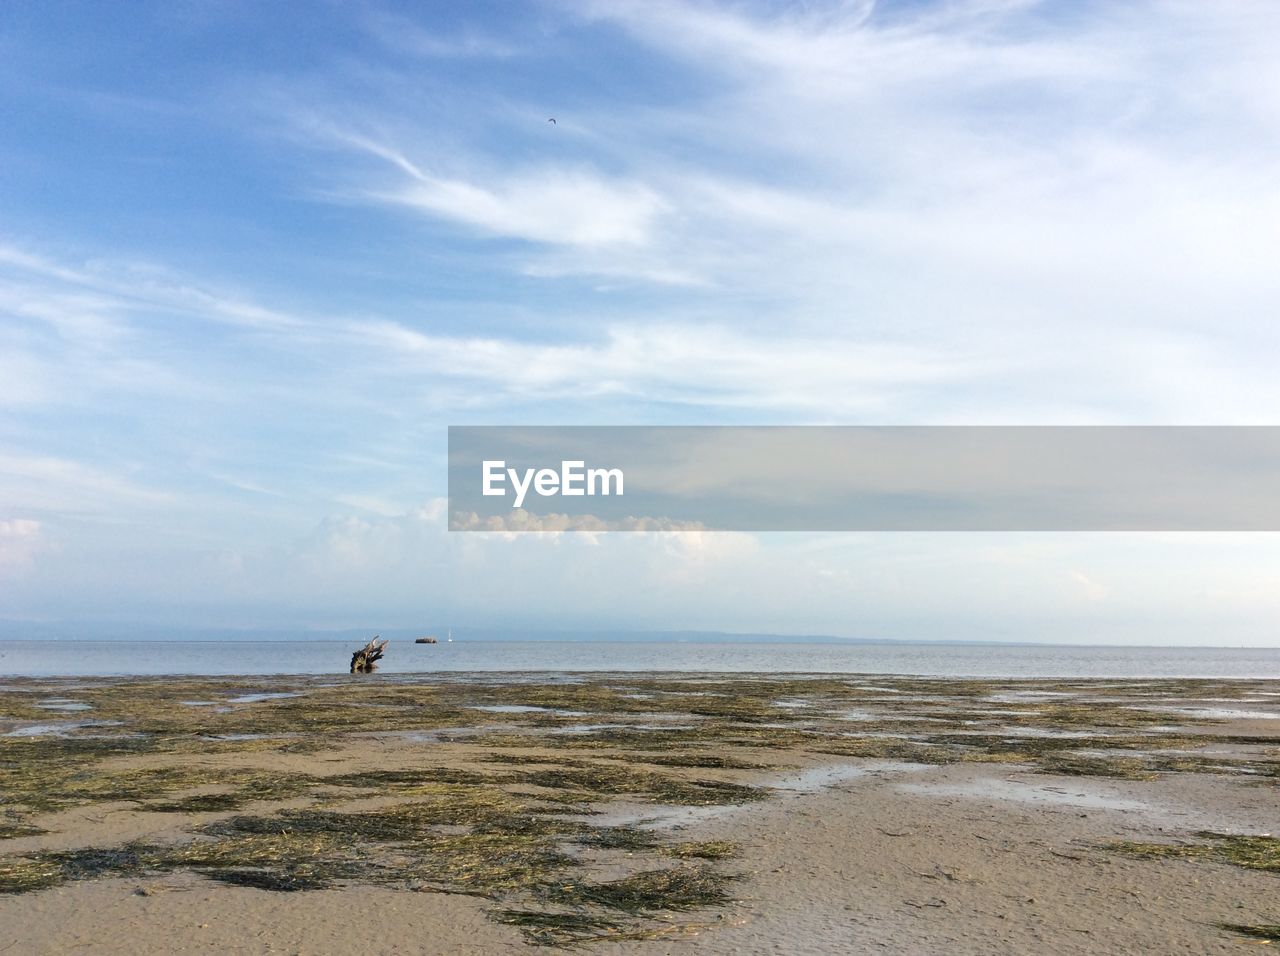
(430, 639)
(449, 639)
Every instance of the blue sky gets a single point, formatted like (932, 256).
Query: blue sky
(254, 258)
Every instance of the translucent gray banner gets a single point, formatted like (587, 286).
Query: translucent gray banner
(856, 478)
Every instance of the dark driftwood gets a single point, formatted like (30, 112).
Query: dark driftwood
(365, 660)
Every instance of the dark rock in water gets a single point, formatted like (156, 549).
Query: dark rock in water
(426, 640)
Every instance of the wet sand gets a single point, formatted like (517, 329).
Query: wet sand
(848, 815)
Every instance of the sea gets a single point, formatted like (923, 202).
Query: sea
(75, 658)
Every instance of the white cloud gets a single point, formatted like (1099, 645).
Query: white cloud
(561, 207)
(19, 528)
(58, 293)
(1041, 193)
(693, 365)
(569, 205)
(403, 35)
(1092, 590)
(20, 538)
(65, 485)
(111, 344)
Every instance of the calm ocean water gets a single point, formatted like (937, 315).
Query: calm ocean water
(120, 658)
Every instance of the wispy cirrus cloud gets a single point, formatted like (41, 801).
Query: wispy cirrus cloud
(404, 35)
(694, 365)
(60, 485)
(980, 175)
(556, 206)
(46, 288)
(110, 310)
(253, 416)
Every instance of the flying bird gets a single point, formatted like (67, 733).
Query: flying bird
(552, 121)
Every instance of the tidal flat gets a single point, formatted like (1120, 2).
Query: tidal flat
(631, 812)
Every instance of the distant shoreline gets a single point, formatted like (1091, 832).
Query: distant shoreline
(406, 660)
(12, 633)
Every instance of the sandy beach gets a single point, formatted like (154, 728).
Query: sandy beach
(638, 813)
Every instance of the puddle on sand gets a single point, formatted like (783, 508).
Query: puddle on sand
(890, 716)
(860, 715)
(1001, 789)
(1014, 732)
(1227, 713)
(61, 729)
(440, 734)
(1028, 696)
(648, 817)
(64, 705)
(526, 709)
(45, 730)
(820, 778)
(596, 728)
(258, 698)
(1215, 713)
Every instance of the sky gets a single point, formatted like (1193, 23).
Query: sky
(255, 258)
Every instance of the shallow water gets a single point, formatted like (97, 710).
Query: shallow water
(526, 709)
(60, 729)
(830, 775)
(596, 728)
(1228, 713)
(66, 706)
(258, 698)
